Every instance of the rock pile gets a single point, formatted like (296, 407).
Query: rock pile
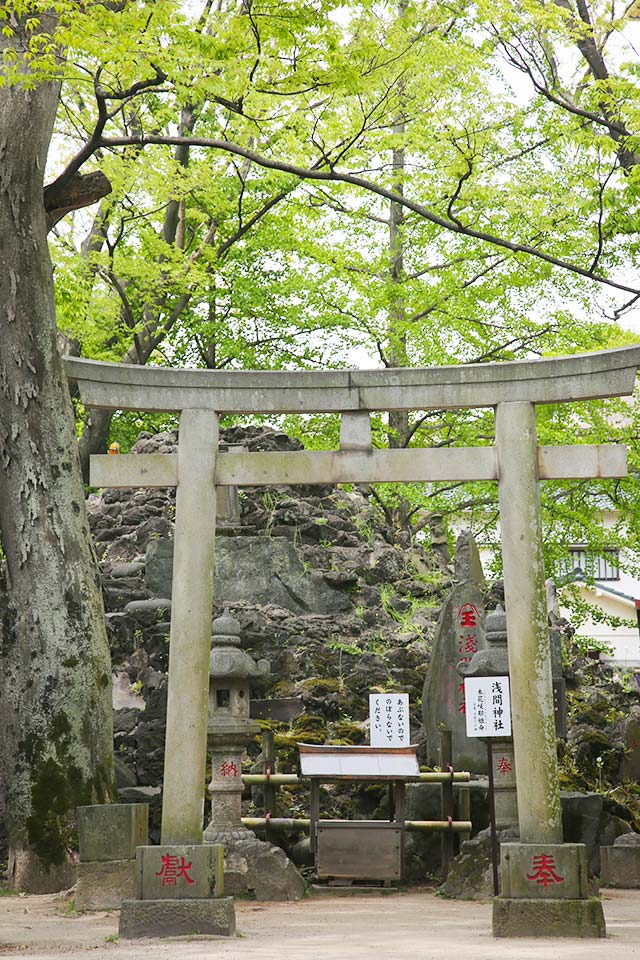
(338, 600)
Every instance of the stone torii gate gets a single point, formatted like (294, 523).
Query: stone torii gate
(515, 461)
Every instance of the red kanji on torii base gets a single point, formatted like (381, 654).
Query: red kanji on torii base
(173, 869)
(544, 870)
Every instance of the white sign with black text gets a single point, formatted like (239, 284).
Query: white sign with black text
(488, 706)
(389, 719)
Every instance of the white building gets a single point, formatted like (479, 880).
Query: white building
(613, 591)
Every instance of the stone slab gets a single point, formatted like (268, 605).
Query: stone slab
(533, 871)
(459, 635)
(582, 919)
(620, 867)
(184, 872)
(333, 891)
(104, 884)
(112, 831)
(254, 570)
(172, 918)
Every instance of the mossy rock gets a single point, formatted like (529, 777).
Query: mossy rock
(346, 731)
(320, 686)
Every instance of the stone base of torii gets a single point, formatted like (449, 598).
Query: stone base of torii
(540, 871)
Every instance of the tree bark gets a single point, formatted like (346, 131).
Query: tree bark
(398, 419)
(56, 749)
(397, 334)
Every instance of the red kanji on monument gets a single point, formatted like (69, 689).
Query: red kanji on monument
(228, 768)
(468, 615)
(504, 766)
(544, 871)
(461, 706)
(173, 869)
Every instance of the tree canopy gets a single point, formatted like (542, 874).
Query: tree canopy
(412, 182)
(255, 184)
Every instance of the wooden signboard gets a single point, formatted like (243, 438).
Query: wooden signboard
(359, 850)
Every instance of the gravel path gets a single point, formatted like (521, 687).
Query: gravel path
(403, 926)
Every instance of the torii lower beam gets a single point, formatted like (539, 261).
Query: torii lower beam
(308, 467)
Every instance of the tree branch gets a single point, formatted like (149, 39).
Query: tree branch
(306, 173)
(72, 193)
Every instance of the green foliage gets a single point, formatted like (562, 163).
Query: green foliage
(222, 256)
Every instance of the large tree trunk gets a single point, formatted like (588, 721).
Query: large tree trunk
(56, 749)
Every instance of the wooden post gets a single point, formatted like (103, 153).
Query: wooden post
(399, 796)
(191, 612)
(314, 813)
(464, 812)
(268, 767)
(447, 840)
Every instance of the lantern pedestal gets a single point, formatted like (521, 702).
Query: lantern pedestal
(252, 866)
(545, 893)
(226, 789)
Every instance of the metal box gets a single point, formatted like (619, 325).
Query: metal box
(359, 850)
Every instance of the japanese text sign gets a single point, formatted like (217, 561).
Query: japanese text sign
(389, 719)
(488, 712)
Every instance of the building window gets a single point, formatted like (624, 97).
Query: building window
(604, 566)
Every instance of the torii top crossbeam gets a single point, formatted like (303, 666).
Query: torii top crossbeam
(586, 376)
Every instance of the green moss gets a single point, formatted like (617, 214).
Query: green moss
(321, 685)
(8, 619)
(58, 786)
(346, 731)
(56, 790)
(70, 662)
(59, 727)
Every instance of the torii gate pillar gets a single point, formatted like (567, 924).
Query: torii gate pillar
(526, 609)
(185, 758)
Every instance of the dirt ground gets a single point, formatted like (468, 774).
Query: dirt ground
(404, 926)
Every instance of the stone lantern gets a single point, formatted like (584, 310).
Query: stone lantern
(493, 661)
(230, 727)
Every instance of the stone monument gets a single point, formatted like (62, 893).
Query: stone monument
(494, 662)
(459, 636)
(108, 835)
(252, 866)
(179, 890)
